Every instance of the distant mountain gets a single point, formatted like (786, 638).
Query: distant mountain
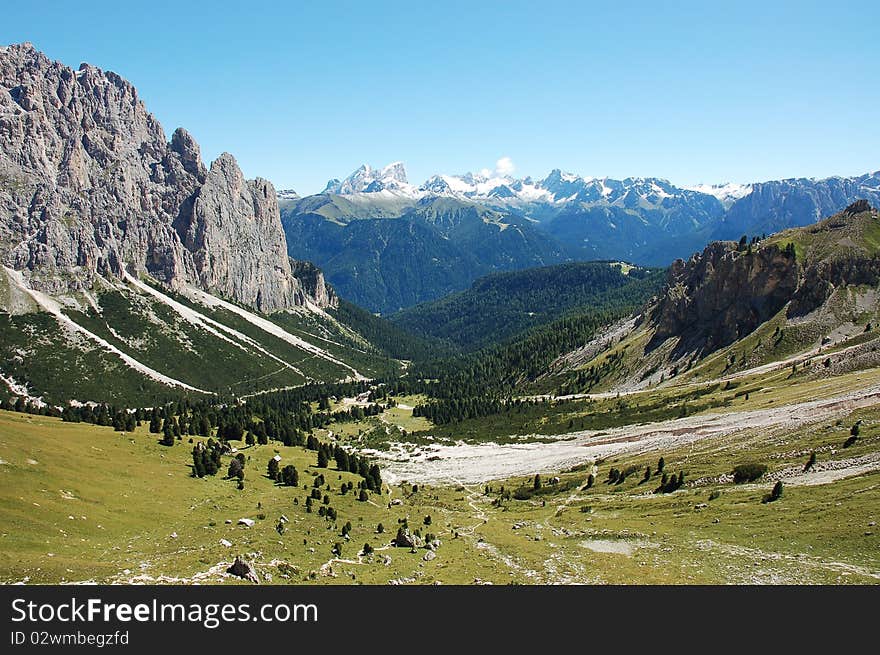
(773, 206)
(384, 251)
(367, 180)
(646, 221)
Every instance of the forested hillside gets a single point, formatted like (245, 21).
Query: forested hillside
(503, 305)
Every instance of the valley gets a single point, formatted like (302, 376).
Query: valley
(567, 380)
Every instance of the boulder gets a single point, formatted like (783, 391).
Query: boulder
(406, 539)
(243, 569)
(246, 522)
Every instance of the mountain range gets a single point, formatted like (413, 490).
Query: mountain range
(562, 217)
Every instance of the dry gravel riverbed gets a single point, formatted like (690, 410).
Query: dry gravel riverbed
(474, 463)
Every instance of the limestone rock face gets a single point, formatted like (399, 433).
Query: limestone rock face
(723, 294)
(90, 186)
(728, 290)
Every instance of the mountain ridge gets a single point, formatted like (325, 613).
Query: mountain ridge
(90, 186)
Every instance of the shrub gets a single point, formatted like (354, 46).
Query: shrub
(716, 493)
(748, 472)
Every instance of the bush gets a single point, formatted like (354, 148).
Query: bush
(523, 493)
(716, 494)
(748, 472)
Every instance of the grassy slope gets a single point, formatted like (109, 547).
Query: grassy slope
(134, 493)
(59, 366)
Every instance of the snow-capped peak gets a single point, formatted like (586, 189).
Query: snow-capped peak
(727, 193)
(559, 187)
(368, 180)
(286, 194)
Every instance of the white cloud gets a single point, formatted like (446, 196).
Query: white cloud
(485, 172)
(504, 166)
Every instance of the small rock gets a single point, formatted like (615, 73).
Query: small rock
(429, 556)
(225, 542)
(246, 522)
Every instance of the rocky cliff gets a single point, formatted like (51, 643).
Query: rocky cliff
(723, 293)
(90, 186)
(728, 290)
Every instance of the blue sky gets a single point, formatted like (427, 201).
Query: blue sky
(301, 92)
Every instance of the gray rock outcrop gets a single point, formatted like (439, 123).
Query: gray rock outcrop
(728, 290)
(90, 186)
(243, 569)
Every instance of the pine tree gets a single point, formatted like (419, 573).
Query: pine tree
(272, 469)
(235, 469)
(168, 436)
(289, 476)
(810, 462)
